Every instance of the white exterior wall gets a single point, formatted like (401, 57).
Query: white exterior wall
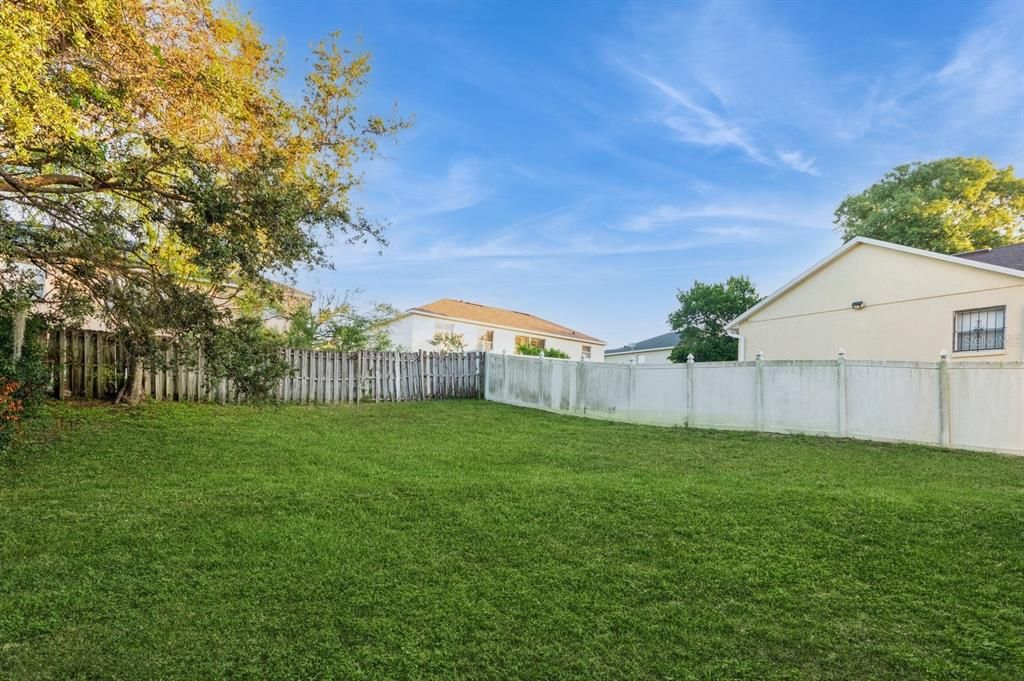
(970, 405)
(415, 331)
(909, 306)
(642, 357)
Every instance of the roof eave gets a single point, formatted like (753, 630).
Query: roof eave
(634, 350)
(586, 340)
(849, 245)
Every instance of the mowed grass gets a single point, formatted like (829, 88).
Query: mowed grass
(473, 540)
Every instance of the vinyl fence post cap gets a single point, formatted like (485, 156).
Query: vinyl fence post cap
(842, 352)
(689, 358)
(759, 356)
(943, 355)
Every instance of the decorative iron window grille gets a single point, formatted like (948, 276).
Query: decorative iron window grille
(979, 330)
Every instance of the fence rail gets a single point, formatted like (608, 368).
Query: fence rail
(970, 405)
(92, 365)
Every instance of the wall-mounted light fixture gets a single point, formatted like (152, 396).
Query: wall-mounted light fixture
(857, 305)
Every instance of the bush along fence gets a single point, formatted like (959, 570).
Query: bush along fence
(971, 405)
(91, 365)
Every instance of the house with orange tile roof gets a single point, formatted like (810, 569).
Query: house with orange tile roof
(491, 329)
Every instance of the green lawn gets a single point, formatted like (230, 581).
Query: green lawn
(474, 540)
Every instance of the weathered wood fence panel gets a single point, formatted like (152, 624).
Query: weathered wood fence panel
(92, 365)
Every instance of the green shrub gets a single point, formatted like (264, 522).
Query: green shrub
(23, 384)
(248, 354)
(532, 351)
(31, 371)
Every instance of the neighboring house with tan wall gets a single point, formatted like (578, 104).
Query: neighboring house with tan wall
(491, 329)
(878, 300)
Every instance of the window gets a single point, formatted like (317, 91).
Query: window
(586, 352)
(38, 278)
(531, 341)
(978, 330)
(486, 341)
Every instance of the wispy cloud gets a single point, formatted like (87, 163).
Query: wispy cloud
(986, 73)
(735, 232)
(715, 68)
(407, 196)
(698, 125)
(581, 230)
(791, 215)
(798, 162)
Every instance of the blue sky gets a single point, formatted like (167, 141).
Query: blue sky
(583, 161)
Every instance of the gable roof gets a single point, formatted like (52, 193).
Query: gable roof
(665, 341)
(857, 241)
(1011, 256)
(496, 316)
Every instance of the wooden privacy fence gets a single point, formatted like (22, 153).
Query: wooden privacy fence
(91, 364)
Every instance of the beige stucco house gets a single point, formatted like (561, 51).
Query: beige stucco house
(879, 300)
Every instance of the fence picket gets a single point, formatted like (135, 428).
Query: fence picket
(89, 364)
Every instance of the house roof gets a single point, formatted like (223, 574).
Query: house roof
(289, 290)
(1011, 256)
(496, 316)
(665, 341)
(857, 241)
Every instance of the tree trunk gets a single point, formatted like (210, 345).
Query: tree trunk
(18, 339)
(131, 392)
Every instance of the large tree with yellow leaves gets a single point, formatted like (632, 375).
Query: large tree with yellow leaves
(147, 157)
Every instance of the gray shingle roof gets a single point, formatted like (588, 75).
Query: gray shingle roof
(662, 342)
(1006, 256)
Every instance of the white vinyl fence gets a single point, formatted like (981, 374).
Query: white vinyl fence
(976, 405)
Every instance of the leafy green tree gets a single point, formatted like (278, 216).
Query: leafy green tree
(449, 341)
(342, 325)
(949, 206)
(703, 312)
(149, 162)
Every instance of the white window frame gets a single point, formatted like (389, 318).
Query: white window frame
(532, 341)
